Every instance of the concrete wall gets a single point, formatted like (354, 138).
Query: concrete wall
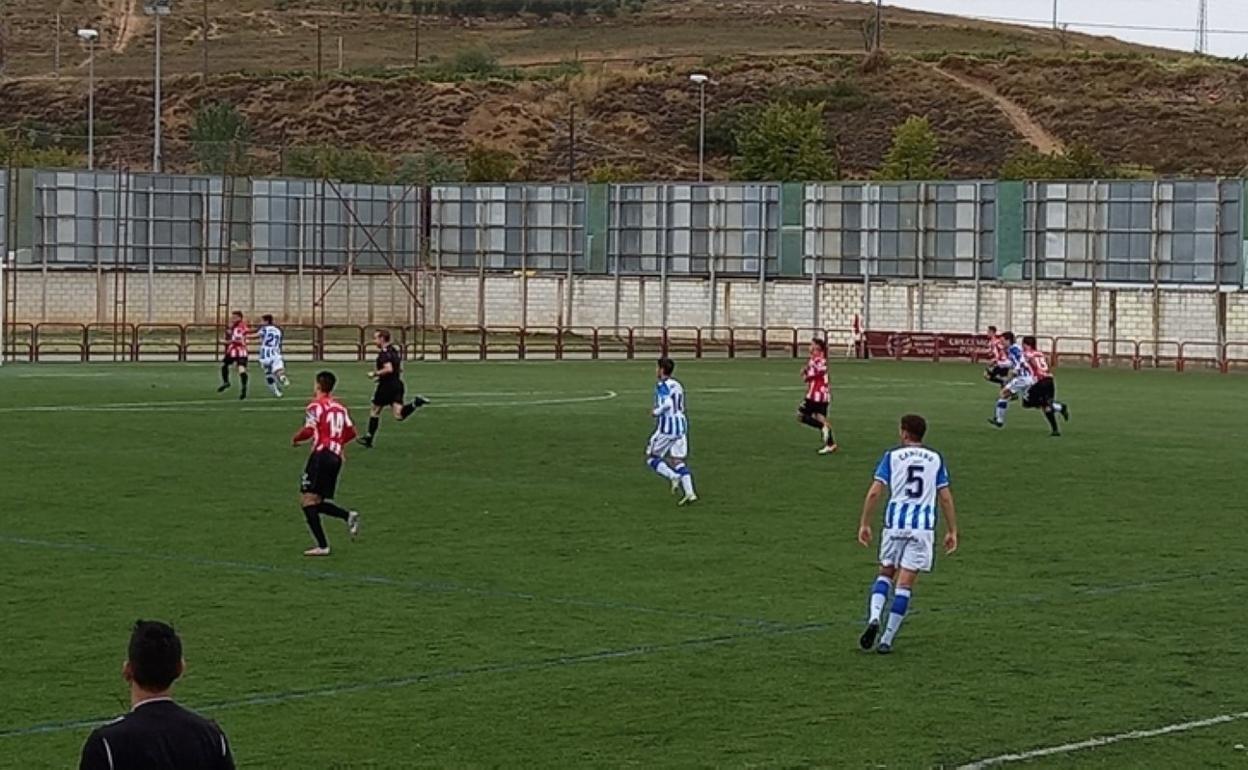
(603, 301)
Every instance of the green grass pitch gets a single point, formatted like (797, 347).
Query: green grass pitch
(526, 593)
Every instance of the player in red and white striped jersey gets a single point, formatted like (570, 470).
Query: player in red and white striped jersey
(813, 411)
(329, 426)
(998, 357)
(1043, 394)
(235, 353)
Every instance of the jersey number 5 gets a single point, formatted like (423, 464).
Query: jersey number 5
(914, 482)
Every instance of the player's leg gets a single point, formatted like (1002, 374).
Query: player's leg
(879, 596)
(270, 378)
(825, 429)
(680, 451)
(242, 378)
(1008, 392)
(374, 418)
(411, 406)
(656, 449)
(901, 605)
(225, 374)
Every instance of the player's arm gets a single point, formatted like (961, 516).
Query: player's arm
(308, 430)
(945, 498)
(386, 368)
(348, 432)
(95, 754)
(664, 406)
(868, 510)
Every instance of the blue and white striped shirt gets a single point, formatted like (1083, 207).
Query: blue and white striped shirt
(669, 408)
(913, 474)
(270, 341)
(1018, 361)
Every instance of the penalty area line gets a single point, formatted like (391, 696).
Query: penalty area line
(219, 405)
(1107, 740)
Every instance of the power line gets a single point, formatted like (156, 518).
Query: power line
(1105, 25)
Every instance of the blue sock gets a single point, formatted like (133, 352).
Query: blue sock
(879, 595)
(901, 603)
(1002, 405)
(663, 469)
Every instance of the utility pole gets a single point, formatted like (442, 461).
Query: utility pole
(318, 50)
(420, 12)
(879, 23)
(1202, 27)
(204, 73)
(571, 138)
(56, 46)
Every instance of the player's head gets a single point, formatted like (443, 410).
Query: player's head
(236, 316)
(1009, 337)
(992, 330)
(267, 318)
(913, 428)
(325, 382)
(154, 658)
(665, 367)
(381, 337)
(818, 346)
(1029, 342)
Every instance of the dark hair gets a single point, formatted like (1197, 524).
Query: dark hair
(667, 366)
(383, 333)
(155, 655)
(1009, 337)
(238, 313)
(267, 318)
(992, 329)
(915, 426)
(1029, 341)
(326, 380)
(823, 346)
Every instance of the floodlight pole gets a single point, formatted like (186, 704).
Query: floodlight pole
(701, 80)
(157, 8)
(91, 103)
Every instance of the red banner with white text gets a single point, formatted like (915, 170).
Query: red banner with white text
(882, 344)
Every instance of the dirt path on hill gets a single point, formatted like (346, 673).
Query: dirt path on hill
(125, 19)
(1027, 126)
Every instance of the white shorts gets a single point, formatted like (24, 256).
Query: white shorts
(663, 445)
(274, 364)
(1019, 385)
(907, 550)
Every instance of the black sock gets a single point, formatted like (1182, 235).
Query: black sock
(330, 508)
(268, 379)
(373, 423)
(310, 512)
(225, 374)
(1051, 416)
(407, 410)
(831, 439)
(812, 422)
(242, 377)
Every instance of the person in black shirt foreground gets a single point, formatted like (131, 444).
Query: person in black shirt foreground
(157, 734)
(390, 389)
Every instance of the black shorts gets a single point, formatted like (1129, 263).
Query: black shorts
(997, 372)
(1040, 395)
(809, 408)
(320, 475)
(388, 392)
(239, 360)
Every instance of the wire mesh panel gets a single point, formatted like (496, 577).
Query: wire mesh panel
(687, 225)
(945, 228)
(537, 227)
(1172, 231)
(283, 224)
(76, 216)
(373, 224)
(173, 220)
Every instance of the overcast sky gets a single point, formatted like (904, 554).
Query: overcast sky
(1224, 15)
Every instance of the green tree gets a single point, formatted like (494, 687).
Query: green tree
(787, 143)
(17, 151)
(221, 139)
(350, 164)
(475, 63)
(484, 164)
(612, 173)
(1078, 161)
(429, 167)
(913, 154)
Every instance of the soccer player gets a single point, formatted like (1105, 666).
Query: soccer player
(1020, 379)
(917, 480)
(329, 426)
(1043, 394)
(999, 357)
(271, 361)
(390, 389)
(235, 353)
(814, 410)
(669, 445)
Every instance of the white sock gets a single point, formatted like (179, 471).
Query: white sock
(663, 469)
(901, 603)
(1059, 407)
(686, 479)
(879, 595)
(1002, 405)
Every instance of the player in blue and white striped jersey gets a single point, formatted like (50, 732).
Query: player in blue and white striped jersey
(918, 485)
(669, 445)
(271, 361)
(1021, 378)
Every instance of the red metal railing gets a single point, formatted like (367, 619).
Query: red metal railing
(191, 342)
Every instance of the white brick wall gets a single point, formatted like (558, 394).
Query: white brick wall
(453, 299)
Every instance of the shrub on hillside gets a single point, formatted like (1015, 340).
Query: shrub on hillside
(612, 173)
(913, 154)
(1078, 161)
(429, 167)
(221, 139)
(484, 164)
(786, 143)
(343, 164)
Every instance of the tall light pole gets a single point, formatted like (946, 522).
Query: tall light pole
(157, 8)
(89, 36)
(701, 80)
(1054, 15)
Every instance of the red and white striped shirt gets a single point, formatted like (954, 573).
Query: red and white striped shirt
(328, 424)
(816, 376)
(1038, 364)
(998, 350)
(236, 340)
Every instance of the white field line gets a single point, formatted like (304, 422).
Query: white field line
(287, 405)
(1108, 740)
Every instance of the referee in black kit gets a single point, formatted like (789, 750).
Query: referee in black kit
(388, 374)
(157, 734)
